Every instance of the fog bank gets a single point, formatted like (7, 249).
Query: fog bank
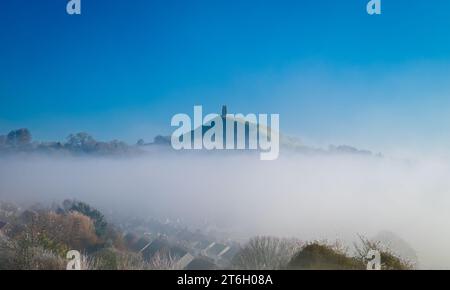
(303, 196)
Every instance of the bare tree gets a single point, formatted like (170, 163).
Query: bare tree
(266, 253)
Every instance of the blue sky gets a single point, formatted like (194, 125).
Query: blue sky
(332, 72)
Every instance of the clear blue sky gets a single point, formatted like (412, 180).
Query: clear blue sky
(332, 72)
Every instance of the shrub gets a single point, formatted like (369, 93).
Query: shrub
(106, 259)
(319, 256)
(98, 218)
(389, 260)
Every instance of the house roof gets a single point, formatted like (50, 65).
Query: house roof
(185, 261)
(162, 245)
(229, 254)
(215, 249)
(202, 244)
(201, 263)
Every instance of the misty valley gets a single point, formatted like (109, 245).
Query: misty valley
(147, 206)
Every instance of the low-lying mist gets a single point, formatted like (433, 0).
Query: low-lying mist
(308, 197)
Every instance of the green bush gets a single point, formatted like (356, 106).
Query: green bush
(317, 256)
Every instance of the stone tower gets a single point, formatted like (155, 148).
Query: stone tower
(224, 111)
